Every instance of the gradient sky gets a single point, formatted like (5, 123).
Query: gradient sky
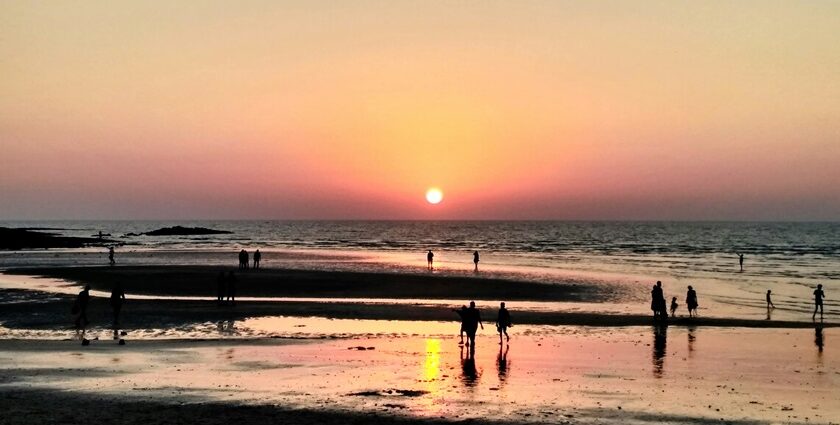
(351, 109)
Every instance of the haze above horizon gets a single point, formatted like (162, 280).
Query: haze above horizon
(353, 110)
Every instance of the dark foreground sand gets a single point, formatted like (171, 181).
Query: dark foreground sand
(201, 281)
(61, 407)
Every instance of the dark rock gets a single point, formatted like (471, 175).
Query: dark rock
(180, 230)
(15, 239)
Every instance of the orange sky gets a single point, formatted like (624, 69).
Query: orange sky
(333, 109)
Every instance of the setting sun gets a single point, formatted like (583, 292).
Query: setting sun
(434, 195)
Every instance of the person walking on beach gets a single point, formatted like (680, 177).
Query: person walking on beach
(80, 307)
(691, 301)
(257, 257)
(462, 315)
(741, 260)
(503, 322)
(472, 320)
(769, 301)
(430, 258)
(674, 306)
(117, 299)
(475, 260)
(818, 301)
(231, 288)
(111, 256)
(221, 284)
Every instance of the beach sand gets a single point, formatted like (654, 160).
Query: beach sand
(201, 281)
(581, 375)
(388, 359)
(154, 291)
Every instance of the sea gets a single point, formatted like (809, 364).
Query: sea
(629, 257)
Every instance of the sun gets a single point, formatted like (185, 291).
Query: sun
(434, 195)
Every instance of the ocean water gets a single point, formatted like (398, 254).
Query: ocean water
(789, 258)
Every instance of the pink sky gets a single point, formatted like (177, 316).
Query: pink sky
(324, 109)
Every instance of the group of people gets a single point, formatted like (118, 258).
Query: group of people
(243, 259)
(80, 306)
(430, 260)
(471, 320)
(658, 304)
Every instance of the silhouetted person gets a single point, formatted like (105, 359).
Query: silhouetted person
(257, 257)
(741, 260)
(111, 260)
(243, 259)
(221, 284)
(654, 301)
(430, 258)
(674, 306)
(462, 315)
(475, 260)
(660, 337)
(117, 299)
(503, 322)
(691, 301)
(472, 320)
(818, 301)
(80, 307)
(657, 302)
(769, 301)
(231, 288)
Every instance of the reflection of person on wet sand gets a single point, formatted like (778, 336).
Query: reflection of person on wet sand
(475, 260)
(502, 363)
(225, 326)
(818, 337)
(691, 338)
(461, 314)
(231, 288)
(660, 336)
(472, 319)
(430, 258)
(80, 307)
(117, 298)
(470, 374)
(220, 288)
(503, 322)
(818, 301)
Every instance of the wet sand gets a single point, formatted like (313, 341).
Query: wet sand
(201, 281)
(637, 375)
(40, 310)
(326, 361)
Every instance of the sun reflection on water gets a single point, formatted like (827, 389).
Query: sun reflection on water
(431, 366)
